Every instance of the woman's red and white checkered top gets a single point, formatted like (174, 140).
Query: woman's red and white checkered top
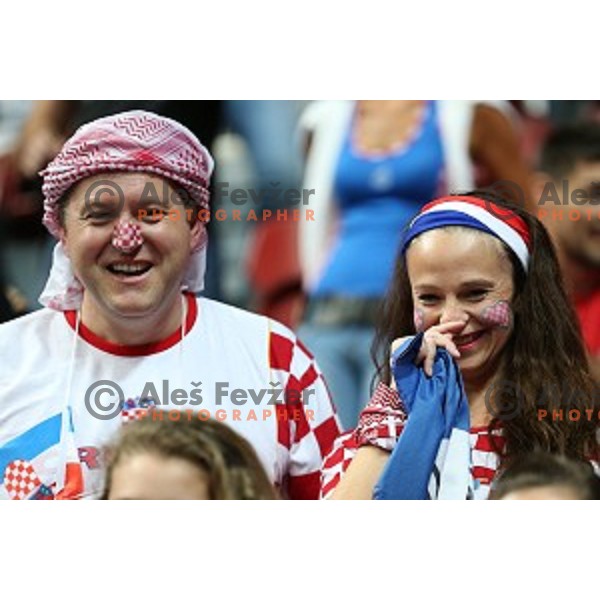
(381, 423)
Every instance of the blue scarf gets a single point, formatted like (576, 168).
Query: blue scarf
(432, 457)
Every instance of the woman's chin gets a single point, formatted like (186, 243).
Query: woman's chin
(472, 366)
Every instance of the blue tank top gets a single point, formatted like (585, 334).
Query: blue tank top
(377, 195)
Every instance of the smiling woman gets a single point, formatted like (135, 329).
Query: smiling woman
(488, 292)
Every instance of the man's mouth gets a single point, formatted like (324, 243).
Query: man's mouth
(130, 269)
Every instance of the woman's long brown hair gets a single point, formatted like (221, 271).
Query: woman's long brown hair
(545, 364)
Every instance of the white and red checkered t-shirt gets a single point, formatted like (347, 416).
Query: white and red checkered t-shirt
(243, 369)
(380, 425)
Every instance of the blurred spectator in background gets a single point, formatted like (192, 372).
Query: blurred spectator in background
(570, 112)
(542, 476)
(12, 302)
(6, 312)
(155, 459)
(268, 128)
(373, 165)
(23, 240)
(567, 190)
(8, 308)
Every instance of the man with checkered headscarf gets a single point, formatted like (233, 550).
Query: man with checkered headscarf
(123, 333)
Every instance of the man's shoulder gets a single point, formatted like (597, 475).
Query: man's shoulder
(214, 312)
(30, 322)
(29, 338)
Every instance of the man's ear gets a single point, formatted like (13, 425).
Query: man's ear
(62, 236)
(198, 236)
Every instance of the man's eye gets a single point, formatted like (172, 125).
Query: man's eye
(154, 215)
(98, 216)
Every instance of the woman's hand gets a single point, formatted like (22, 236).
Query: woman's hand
(438, 336)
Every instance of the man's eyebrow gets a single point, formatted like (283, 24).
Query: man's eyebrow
(97, 205)
(153, 201)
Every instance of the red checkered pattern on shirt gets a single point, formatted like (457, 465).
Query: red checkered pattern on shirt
(337, 462)
(307, 429)
(484, 459)
(21, 480)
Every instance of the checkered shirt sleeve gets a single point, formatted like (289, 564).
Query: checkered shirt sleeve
(307, 425)
(380, 424)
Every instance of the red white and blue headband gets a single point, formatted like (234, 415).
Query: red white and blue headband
(476, 213)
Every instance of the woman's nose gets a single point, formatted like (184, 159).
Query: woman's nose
(453, 312)
(127, 237)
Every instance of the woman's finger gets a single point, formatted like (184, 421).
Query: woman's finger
(449, 327)
(434, 339)
(428, 364)
(431, 343)
(422, 352)
(431, 349)
(451, 347)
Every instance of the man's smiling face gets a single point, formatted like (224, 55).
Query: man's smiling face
(129, 281)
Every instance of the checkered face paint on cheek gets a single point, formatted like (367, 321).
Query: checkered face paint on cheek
(498, 315)
(419, 320)
(127, 237)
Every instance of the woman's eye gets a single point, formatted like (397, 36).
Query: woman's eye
(428, 299)
(477, 294)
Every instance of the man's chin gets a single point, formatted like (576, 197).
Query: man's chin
(129, 306)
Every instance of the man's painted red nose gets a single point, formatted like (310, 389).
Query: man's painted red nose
(127, 237)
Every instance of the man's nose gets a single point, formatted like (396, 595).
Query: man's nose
(127, 236)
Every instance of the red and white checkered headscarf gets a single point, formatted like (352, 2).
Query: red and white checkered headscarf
(134, 141)
(130, 141)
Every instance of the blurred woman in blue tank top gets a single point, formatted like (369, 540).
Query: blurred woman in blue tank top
(389, 159)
